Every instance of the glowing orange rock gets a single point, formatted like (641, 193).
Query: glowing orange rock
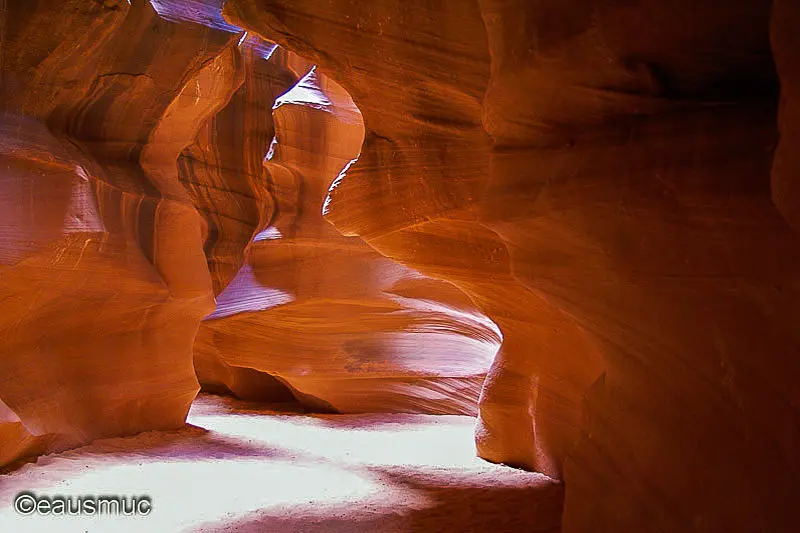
(343, 327)
(102, 267)
(615, 161)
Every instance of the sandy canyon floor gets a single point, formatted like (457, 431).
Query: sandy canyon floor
(239, 467)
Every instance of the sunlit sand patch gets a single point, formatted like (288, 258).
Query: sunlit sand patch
(247, 469)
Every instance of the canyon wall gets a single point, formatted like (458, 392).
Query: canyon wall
(596, 200)
(104, 276)
(342, 327)
(596, 176)
(137, 202)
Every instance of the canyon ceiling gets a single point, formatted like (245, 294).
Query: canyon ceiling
(577, 221)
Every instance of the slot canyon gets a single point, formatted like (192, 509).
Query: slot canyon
(400, 265)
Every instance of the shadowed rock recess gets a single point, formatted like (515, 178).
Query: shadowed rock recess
(576, 221)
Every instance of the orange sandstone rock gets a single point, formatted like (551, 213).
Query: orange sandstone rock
(104, 276)
(341, 326)
(614, 160)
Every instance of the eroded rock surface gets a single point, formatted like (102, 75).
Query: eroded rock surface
(133, 140)
(608, 164)
(326, 315)
(104, 276)
(613, 184)
(423, 166)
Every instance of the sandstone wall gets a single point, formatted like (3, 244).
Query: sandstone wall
(606, 165)
(329, 318)
(104, 276)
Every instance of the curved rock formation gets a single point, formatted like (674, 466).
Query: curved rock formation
(612, 184)
(222, 170)
(422, 167)
(104, 276)
(613, 158)
(343, 327)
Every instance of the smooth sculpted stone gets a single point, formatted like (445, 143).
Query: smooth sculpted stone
(103, 268)
(612, 158)
(326, 315)
(222, 171)
(69, 380)
(418, 74)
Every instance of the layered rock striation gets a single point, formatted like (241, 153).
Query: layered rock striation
(607, 188)
(103, 234)
(338, 325)
(597, 178)
(133, 137)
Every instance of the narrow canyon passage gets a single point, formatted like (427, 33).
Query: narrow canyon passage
(237, 164)
(400, 265)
